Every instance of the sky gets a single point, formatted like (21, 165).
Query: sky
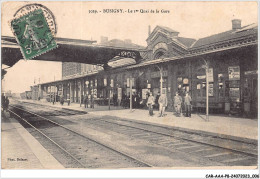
(74, 20)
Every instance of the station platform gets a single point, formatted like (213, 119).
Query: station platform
(21, 150)
(220, 125)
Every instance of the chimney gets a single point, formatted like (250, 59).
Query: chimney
(103, 39)
(236, 24)
(149, 30)
(128, 41)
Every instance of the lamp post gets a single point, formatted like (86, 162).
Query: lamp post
(111, 86)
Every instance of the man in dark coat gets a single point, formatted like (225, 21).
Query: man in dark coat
(81, 100)
(6, 103)
(3, 102)
(115, 99)
(187, 103)
(92, 101)
(68, 100)
(86, 100)
(177, 104)
(62, 100)
(156, 100)
(138, 99)
(124, 100)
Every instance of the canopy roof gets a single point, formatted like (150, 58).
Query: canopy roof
(71, 50)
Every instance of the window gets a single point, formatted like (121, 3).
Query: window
(198, 90)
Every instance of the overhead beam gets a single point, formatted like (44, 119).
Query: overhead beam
(71, 50)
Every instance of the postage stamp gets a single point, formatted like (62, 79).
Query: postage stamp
(33, 34)
(49, 16)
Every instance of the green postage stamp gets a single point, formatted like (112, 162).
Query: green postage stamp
(33, 34)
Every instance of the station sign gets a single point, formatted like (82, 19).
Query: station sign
(210, 76)
(234, 73)
(254, 72)
(157, 74)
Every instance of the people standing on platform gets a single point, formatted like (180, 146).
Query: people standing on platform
(177, 104)
(138, 100)
(81, 100)
(86, 100)
(162, 104)
(134, 100)
(187, 103)
(6, 103)
(53, 99)
(156, 100)
(123, 100)
(150, 103)
(68, 100)
(62, 100)
(115, 99)
(3, 102)
(92, 101)
(128, 100)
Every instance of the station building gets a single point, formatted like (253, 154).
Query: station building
(231, 57)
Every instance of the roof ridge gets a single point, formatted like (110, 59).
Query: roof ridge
(167, 28)
(225, 36)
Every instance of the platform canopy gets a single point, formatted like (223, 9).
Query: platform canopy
(71, 50)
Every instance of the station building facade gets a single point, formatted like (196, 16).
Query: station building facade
(231, 57)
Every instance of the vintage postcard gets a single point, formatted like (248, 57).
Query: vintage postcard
(130, 85)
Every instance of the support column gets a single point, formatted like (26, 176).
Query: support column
(174, 79)
(170, 79)
(190, 78)
(131, 93)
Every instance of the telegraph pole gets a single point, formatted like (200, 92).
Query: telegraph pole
(206, 66)
(207, 94)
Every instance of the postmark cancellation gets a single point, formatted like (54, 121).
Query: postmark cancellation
(33, 34)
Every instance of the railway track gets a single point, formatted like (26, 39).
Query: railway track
(61, 136)
(206, 146)
(53, 111)
(230, 152)
(186, 135)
